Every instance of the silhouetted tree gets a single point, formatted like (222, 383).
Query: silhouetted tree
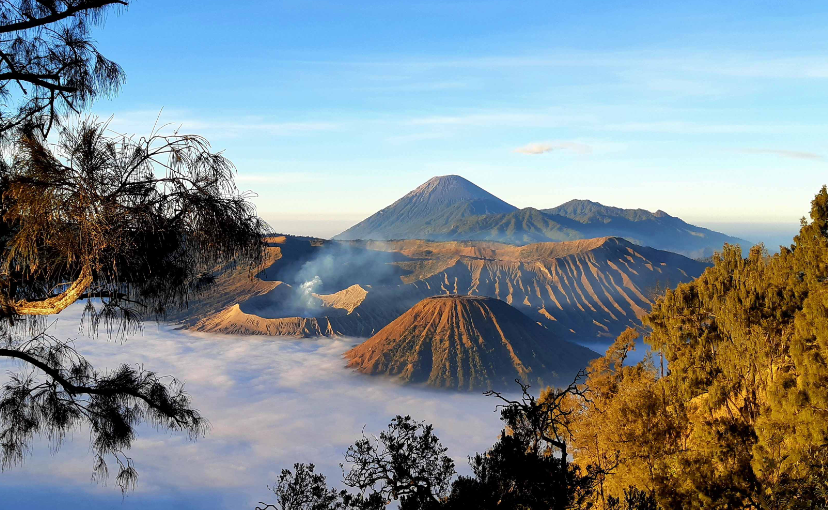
(543, 424)
(49, 65)
(406, 463)
(527, 467)
(302, 489)
(131, 227)
(511, 475)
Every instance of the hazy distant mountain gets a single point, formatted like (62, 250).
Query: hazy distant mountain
(452, 208)
(434, 206)
(468, 343)
(523, 226)
(658, 229)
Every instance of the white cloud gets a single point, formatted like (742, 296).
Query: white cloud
(543, 147)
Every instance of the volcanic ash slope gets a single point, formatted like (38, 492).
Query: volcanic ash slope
(468, 343)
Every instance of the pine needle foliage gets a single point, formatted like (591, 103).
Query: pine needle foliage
(49, 64)
(736, 414)
(131, 227)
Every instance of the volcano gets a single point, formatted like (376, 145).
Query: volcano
(468, 343)
(433, 206)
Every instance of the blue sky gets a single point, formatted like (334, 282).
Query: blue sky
(712, 111)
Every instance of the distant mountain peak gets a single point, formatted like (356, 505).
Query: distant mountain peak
(582, 201)
(450, 188)
(442, 200)
(446, 179)
(584, 210)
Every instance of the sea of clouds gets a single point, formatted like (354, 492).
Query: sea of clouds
(270, 401)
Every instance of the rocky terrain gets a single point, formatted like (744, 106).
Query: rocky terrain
(468, 343)
(577, 290)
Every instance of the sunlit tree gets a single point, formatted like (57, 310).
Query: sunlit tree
(739, 416)
(131, 227)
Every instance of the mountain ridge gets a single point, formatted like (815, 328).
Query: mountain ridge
(581, 207)
(584, 289)
(433, 211)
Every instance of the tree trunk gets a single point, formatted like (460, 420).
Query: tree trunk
(54, 304)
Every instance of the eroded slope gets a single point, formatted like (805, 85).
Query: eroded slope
(578, 290)
(468, 343)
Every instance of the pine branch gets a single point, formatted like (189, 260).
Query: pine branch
(59, 16)
(39, 80)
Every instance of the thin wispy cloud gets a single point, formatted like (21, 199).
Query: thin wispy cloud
(277, 177)
(544, 147)
(417, 137)
(424, 86)
(682, 87)
(597, 120)
(694, 128)
(499, 119)
(783, 153)
(754, 66)
(168, 121)
(736, 64)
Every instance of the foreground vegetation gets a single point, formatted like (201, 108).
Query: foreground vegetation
(130, 226)
(730, 410)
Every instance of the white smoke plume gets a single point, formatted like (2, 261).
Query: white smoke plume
(306, 299)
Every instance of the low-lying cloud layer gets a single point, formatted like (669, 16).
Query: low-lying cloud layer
(271, 402)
